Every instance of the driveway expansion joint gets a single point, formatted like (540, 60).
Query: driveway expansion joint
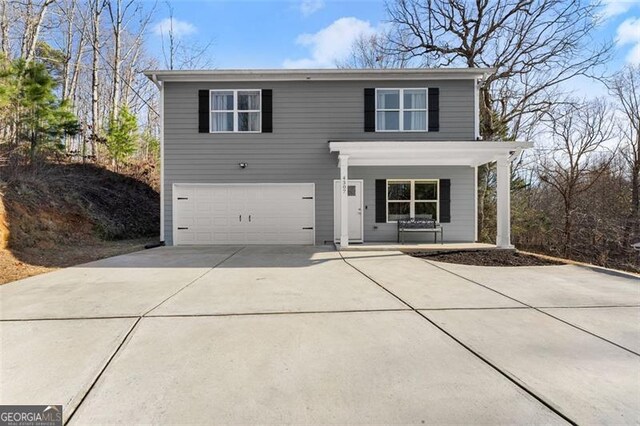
(538, 309)
(68, 318)
(484, 359)
(193, 281)
(245, 314)
(132, 329)
(103, 369)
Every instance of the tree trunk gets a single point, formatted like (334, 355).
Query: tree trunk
(567, 228)
(32, 30)
(4, 29)
(635, 195)
(68, 49)
(117, 26)
(95, 111)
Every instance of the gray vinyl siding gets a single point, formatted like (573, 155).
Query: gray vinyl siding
(306, 115)
(462, 225)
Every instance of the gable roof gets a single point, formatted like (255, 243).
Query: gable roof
(318, 74)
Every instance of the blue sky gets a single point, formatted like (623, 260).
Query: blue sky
(316, 33)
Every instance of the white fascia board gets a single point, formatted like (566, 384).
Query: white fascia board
(317, 75)
(426, 153)
(394, 146)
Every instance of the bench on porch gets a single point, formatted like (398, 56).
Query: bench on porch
(419, 225)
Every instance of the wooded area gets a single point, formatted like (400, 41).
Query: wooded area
(71, 90)
(70, 79)
(576, 194)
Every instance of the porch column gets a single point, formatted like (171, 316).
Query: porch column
(503, 194)
(344, 200)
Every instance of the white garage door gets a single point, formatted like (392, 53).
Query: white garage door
(244, 213)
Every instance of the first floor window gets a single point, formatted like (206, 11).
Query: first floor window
(235, 110)
(401, 110)
(412, 199)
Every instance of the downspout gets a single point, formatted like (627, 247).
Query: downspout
(160, 87)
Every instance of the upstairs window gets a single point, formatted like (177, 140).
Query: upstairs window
(401, 110)
(235, 111)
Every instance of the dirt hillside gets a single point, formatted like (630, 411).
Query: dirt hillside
(63, 214)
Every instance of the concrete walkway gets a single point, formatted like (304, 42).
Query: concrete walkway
(309, 335)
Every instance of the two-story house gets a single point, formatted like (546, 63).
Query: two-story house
(323, 156)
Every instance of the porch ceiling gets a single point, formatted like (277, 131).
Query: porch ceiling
(441, 153)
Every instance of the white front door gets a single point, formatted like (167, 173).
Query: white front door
(356, 224)
(244, 213)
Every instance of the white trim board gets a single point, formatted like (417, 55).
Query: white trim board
(247, 75)
(408, 153)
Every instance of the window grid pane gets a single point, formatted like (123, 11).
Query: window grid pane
(389, 100)
(399, 210)
(415, 99)
(399, 190)
(222, 101)
(426, 210)
(415, 120)
(248, 121)
(426, 191)
(222, 121)
(248, 101)
(388, 120)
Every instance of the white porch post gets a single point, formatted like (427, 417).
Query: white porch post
(344, 200)
(503, 193)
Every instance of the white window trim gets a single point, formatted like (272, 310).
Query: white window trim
(235, 111)
(412, 200)
(402, 110)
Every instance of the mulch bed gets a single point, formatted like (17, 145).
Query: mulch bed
(485, 258)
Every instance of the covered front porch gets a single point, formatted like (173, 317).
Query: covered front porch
(354, 156)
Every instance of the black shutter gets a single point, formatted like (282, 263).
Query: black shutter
(203, 111)
(381, 200)
(434, 109)
(369, 110)
(445, 200)
(267, 111)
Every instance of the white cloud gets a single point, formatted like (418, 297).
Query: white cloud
(180, 28)
(629, 33)
(611, 8)
(309, 7)
(330, 44)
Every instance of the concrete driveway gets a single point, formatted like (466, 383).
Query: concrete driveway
(307, 335)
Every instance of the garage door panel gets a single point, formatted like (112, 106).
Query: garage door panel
(244, 214)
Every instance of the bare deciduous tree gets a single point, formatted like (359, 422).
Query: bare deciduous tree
(533, 45)
(121, 14)
(625, 87)
(4, 28)
(579, 132)
(373, 51)
(33, 18)
(179, 54)
(96, 7)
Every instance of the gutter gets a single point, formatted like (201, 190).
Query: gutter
(154, 79)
